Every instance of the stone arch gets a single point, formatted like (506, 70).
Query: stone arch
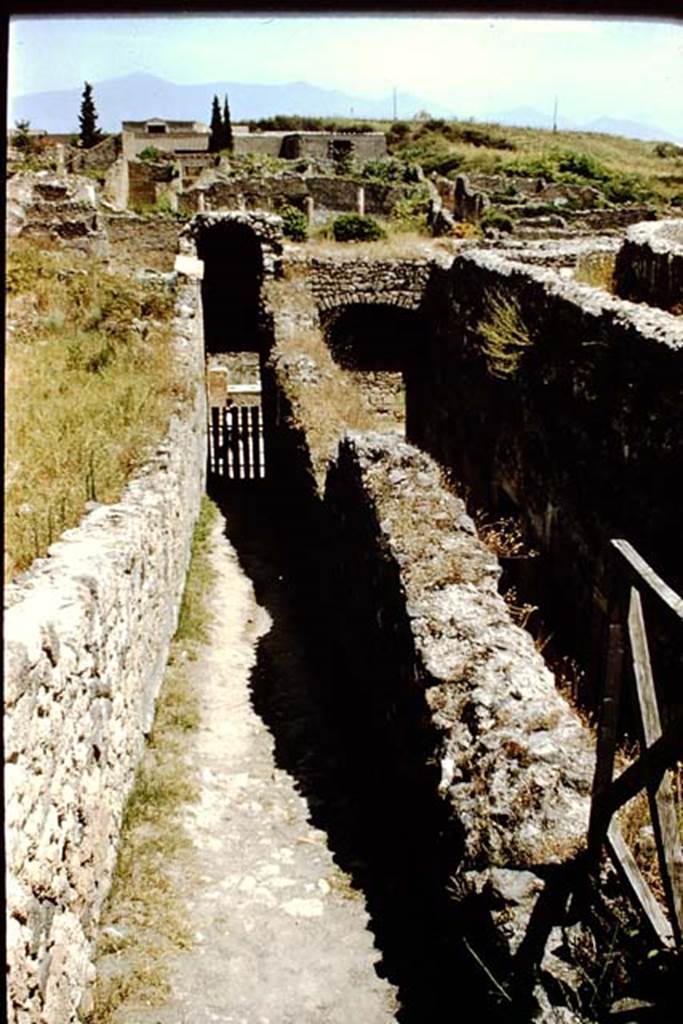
(238, 250)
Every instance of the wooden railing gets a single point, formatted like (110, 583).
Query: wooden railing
(661, 748)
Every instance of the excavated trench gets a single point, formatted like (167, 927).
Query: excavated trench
(375, 798)
(383, 823)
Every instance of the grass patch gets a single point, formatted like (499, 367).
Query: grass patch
(143, 923)
(91, 381)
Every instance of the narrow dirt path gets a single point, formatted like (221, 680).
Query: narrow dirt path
(280, 936)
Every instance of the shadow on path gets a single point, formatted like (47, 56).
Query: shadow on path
(382, 831)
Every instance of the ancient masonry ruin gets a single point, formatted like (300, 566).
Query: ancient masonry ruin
(576, 430)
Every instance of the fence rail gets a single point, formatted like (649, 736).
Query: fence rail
(661, 749)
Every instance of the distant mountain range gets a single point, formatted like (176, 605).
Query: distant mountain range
(138, 96)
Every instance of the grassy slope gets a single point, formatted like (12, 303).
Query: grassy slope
(487, 148)
(90, 383)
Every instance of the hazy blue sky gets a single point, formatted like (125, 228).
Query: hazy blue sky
(625, 69)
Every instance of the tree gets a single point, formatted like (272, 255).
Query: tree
(90, 134)
(21, 138)
(216, 136)
(227, 139)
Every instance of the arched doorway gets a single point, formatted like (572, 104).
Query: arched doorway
(233, 271)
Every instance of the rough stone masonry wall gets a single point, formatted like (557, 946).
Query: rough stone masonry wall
(63, 208)
(649, 265)
(583, 439)
(87, 633)
(393, 282)
(428, 636)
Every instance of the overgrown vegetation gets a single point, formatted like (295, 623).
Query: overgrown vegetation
(623, 169)
(143, 922)
(505, 335)
(90, 384)
(497, 219)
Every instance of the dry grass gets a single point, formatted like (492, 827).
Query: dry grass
(402, 245)
(636, 827)
(329, 402)
(143, 922)
(596, 269)
(90, 384)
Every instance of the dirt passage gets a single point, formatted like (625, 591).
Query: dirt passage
(280, 936)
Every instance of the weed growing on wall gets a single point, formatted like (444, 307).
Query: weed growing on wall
(90, 383)
(505, 335)
(143, 923)
(596, 269)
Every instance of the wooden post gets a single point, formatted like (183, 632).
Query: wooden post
(661, 795)
(360, 200)
(607, 740)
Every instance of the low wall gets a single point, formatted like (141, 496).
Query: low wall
(649, 265)
(447, 680)
(582, 438)
(63, 208)
(87, 634)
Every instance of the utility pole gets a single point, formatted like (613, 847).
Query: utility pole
(395, 103)
(555, 116)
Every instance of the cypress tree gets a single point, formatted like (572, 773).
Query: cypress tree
(90, 134)
(227, 126)
(216, 136)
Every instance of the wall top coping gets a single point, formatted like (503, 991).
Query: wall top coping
(652, 323)
(663, 236)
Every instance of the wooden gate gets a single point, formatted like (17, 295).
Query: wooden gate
(236, 450)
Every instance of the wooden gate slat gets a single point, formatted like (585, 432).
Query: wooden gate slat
(256, 440)
(214, 440)
(233, 413)
(661, 797)
(626, 865)
(244, 430)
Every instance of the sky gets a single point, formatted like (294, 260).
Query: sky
(628, 69)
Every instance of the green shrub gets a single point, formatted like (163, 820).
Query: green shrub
(582, 165)
(294, 223)
(497, 219)
(668, 149)
(352, 227)
(150, 153)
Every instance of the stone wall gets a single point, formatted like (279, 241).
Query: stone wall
(87, 633)
(344, 281)
(445, 679)
(42, 204)
(649, 266)
(329, 193)
(116, 184)
(145, 181)
(141, 242)
(581, 438)
(99, 157)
